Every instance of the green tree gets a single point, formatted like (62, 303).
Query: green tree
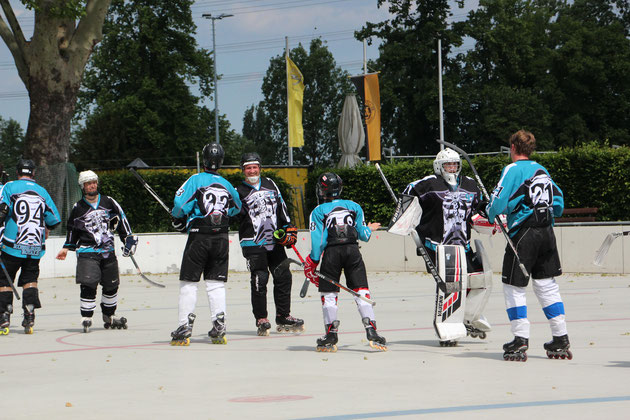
(51, 66)
(11, 142)
(408, 66)
(137, 100)
(256, 128)
(325, 86)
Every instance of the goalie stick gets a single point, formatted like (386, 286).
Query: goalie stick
(485, 192)
(6, 273)
(288, 262)
(603, 249)
(444, 287)
(145, 278)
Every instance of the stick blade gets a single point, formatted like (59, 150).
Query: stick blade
(603, 249)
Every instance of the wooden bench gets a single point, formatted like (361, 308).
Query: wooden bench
(584, 214)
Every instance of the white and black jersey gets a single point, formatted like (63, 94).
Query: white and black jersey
(446, 213)
(89, 224)
(262, 213)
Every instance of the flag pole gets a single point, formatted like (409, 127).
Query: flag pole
(286, 50)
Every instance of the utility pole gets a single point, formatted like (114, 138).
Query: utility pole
(216, 87)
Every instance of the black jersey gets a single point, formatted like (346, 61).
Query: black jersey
(262, 213)
(88, 226)
(446, 213)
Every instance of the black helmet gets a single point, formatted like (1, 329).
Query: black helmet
(25, 167)
(213, 156)
(250, 158)
(329, 186)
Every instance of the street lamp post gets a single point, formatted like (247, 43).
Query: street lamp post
(216, 90)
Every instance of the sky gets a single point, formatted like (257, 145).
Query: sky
(245, 44)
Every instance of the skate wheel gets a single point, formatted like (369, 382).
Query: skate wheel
(279, 329)
(482, 335)
(524, 358)
(125, 327)
(28, 330)
(106, 326)
(473, 334)
(512, 358)
(549, 355)
(506, 357)
(263, 333)
(563, 356)
(378, 346)
(569, 355)
(219, 340)
(556, 356)
(4, 331)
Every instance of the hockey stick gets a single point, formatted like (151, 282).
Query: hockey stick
(288, 261)
(485, 192)
(148, 188)
(306, 281)
(441, 284)
(603, 249)
(6, 273)
(145, 278)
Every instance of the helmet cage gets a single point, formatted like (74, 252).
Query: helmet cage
(444, 157)
(329, 186)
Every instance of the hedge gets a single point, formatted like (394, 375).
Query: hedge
(591, 175)
(145, 214)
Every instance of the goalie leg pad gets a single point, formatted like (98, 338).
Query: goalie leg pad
(480, 284)
(449, 307)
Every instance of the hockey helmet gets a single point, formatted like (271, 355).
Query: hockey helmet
(329, 186)
(213, 156)
(25, 167)
(448, 156)
(87, 176)
(250, 158)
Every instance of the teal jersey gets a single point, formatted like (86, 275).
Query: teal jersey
(31, 212)
(524, 185)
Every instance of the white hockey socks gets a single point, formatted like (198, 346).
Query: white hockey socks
(516, 307)
(365, 309)
(216, 297)
(548, 294)
(329, 307)
(187, 300)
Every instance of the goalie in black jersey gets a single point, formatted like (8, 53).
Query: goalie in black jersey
(91, 226)
(448, 201)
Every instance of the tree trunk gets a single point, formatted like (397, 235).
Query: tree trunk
(48, 133)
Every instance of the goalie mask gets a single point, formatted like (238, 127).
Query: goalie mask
(447, 164)
(329, 186)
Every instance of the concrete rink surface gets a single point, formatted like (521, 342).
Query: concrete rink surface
(59, 372)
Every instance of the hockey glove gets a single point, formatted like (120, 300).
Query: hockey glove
(131, 242)
(286, 237)
(179, 224)
(481, 208)
(309, 270)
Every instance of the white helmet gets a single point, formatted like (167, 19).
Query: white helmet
(447, 156)
(87, 176)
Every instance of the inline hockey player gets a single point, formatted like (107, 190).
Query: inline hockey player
(90, 233)
(27, 213)
(336, 225)
(202, 207)
(448, 201)
(530, 199)
(264, 230)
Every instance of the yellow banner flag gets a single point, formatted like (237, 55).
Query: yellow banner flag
(295, 98)
(367, 86)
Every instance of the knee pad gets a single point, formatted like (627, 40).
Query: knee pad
(88, 292)
(109, 301)
(329, 306)
(216, 297)
(30, 296)
(187, 300)
(88, 300)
